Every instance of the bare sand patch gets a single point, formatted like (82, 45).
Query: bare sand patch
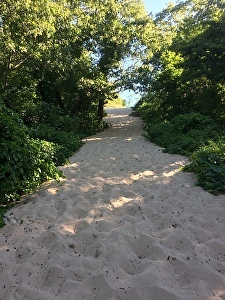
(125, 223)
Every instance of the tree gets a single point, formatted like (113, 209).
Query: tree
(186, 73)
(116, 30)
(28, 31)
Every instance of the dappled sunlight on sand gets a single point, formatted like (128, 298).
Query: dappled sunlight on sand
(121, 202)
(125, 223)
(67, 228)
(92, 139)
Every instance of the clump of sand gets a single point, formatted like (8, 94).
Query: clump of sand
(125, 224)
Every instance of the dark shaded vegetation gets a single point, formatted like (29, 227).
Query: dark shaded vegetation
(183, 134)
(198, 137)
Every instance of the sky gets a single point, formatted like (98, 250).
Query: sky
(153, 6)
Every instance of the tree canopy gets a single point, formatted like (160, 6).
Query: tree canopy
(184, 69)
(65, 52)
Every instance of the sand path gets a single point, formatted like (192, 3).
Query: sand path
(125, 224)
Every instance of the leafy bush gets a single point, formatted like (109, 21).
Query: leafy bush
(184, 123)
(115, 102)
(183, 134)
(48, 113)
(50, 123)
(161, 133)
(150, 110)
(197, 137)
(24, 162)
(66, 143)
(208, 162)
(56, 117)
(90, 124)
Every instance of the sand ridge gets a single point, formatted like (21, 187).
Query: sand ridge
(125, 223)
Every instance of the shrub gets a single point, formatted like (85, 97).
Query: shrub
(183, 134)
(208, 162)
(24, 162)
(57, 118)
(197, 137)
(47, 113)
(150, 111)
(184, 123)
(66, 143)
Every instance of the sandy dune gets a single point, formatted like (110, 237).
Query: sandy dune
(125, 224)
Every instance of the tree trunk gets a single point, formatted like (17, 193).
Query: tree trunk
(101, 108)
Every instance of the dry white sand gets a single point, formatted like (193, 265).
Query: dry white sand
(125, 223)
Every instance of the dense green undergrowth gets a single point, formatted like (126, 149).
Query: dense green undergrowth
(196, 136)
(32, 145)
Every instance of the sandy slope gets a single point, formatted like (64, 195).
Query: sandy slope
(125, 223)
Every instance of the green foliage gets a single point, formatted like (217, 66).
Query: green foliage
(66, 143)
(24, 162)
(116, 102)
(198, 137)
(50, 123)
(46, 54)
(208, 162)
(183, 84)
(184, 123)
(149, 109)
(182, 69)
(2, 212)
(183, 134)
